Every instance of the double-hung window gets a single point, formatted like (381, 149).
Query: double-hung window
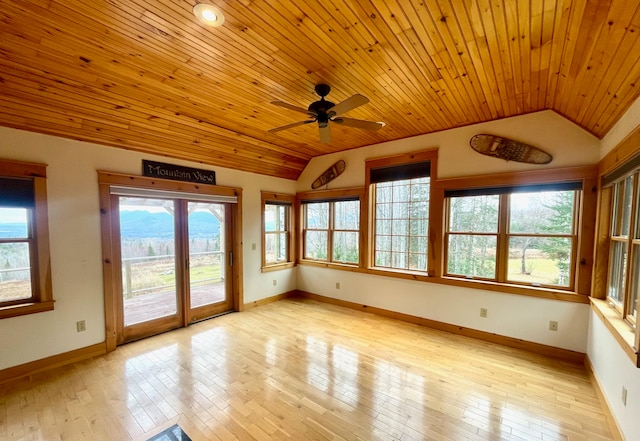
(25, 279)
(399, 197)
(277, 227)
(331, 228)
(513, 234)
(623, 281)
(616, 280)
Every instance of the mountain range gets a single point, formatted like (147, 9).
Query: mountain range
(146, 224)
(143, 224)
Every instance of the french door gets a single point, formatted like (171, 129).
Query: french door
(174, 262)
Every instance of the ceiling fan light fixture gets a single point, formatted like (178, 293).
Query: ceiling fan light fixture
(208, 15)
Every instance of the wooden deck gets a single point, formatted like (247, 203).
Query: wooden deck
(159, 304)
(301, 370)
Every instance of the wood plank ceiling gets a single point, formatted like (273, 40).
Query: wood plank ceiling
(145, 75)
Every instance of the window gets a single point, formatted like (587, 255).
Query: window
(473, 236)
(331, 226)
(399, 192)
(277, 225)
(522, 235)
(624, 248)
(332, 231)
(316, 230)
(25, 280)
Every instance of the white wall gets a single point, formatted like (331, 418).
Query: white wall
(621, 129)
(509, 315)
(566, 142)
(614, 370)
(74, 227)
(516, 316)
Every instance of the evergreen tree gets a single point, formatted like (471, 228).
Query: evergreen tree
(560, 221)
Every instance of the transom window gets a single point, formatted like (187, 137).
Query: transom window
(331, 230)
(522, 235)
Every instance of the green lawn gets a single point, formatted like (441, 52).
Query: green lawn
(544, 271)
(196, 274)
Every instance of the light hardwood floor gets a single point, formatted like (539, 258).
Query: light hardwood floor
(302, 370)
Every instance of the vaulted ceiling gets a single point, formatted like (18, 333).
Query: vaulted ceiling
(145, 75)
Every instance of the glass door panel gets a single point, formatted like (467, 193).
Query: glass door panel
(207, 251)
(148, 255)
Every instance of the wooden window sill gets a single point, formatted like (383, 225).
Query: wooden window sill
(332, 265)
(622, 331)
(277, 266)
(26, 308)
(531, 291)
(400, 273)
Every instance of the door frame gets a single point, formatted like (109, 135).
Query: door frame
(192, 315)
(109, 221)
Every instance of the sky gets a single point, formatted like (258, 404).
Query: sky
(13, 215)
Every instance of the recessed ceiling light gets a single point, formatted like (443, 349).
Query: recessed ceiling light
(208, 14)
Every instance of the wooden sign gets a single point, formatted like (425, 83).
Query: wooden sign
(177, 172)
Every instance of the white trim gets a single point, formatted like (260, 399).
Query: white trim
(168, 194)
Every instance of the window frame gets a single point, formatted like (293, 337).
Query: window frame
(326, 230)
(331, 196)
(285, 200)
(622, 159)
(434, 223)
(447, 233)
(585, 230)
(629, 241)
(42, 295)
(503, 233)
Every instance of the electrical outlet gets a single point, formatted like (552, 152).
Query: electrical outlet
(337, 285)
(553, 325)
(483, 312)
(253, 246)
(81, 326)
(624, 395)
(275, 282)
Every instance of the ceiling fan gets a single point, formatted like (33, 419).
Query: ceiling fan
(323, 112)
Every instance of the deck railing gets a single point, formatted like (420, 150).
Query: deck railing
(164, 269)
(4, 271)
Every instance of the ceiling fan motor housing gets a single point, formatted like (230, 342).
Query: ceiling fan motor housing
(321, 107)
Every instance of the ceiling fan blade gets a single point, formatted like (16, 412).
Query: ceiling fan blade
(348, 104)
(290, 126)
(325, 134)
(294, 108)
(359, 123)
